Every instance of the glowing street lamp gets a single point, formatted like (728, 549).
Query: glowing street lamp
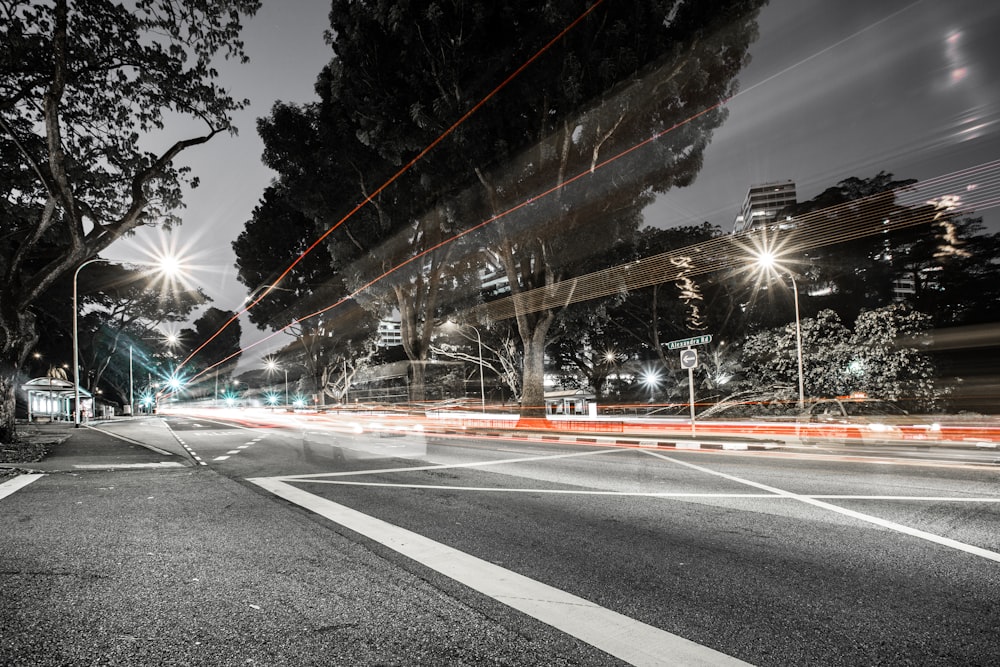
(271, 365)
(768, 262)
(169, 266)
(651, 379)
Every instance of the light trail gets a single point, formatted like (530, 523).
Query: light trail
(821, 228)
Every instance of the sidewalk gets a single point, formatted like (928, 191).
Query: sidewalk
(108, 563)
(128, 442)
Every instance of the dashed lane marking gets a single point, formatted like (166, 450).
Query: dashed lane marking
(194, 455)
(625, 638)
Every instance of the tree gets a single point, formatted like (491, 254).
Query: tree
(880, 357)
(955, 272)
(887, 360)
(335, 336)
(610, 99)
(402, 74)
(85, 90)
(334, 350)
(224, 346)
(770, 356)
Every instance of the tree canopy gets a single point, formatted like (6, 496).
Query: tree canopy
(402, 75)
(90, 93)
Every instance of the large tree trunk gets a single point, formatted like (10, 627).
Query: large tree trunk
(418, 380)
(533, 332)
(8, 387)
(17, 337)
(415, 334)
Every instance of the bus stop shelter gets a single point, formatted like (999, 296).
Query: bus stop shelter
(54, 399)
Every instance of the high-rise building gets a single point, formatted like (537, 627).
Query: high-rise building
(763, 204)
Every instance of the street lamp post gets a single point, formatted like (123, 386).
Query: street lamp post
(131, 397)
(76, 345)
(768, 261)
(798, 340)
(482, 382)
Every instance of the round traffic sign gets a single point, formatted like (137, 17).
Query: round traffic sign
(689, 358)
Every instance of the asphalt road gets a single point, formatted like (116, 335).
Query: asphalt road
(840, 556)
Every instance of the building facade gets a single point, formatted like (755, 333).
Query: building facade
(762, 205)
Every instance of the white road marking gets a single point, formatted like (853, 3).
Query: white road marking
(446, 466)
(625, 638)
(643, 494)
(107, 466)
(187, 448)
(233, 451)
(220, 458)
(18, 483)
(891, 525)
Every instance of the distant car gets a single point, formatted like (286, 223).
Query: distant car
(858, 419)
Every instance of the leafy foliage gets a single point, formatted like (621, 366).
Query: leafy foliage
(224, 346)
(404, 73)
(86, 88)
(878, 357)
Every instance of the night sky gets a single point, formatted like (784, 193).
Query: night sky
(836, 88)
(851, 88)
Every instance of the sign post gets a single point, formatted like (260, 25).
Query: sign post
(689, 360)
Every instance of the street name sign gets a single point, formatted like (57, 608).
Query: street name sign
(688, 342)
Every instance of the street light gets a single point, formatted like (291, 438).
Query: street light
(271, 365)
(168, 265)
(651, 378)
(482, 382)
(768, 262)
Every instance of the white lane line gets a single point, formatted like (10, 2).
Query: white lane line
(233, 451)
(641, 494)
(187, 448)
(446, 466)
(891, 525)
(220, 458)
(18, 483)
(109, 466)
(242, 446)
(625, 638)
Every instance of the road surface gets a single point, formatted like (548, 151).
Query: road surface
(841, 556)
